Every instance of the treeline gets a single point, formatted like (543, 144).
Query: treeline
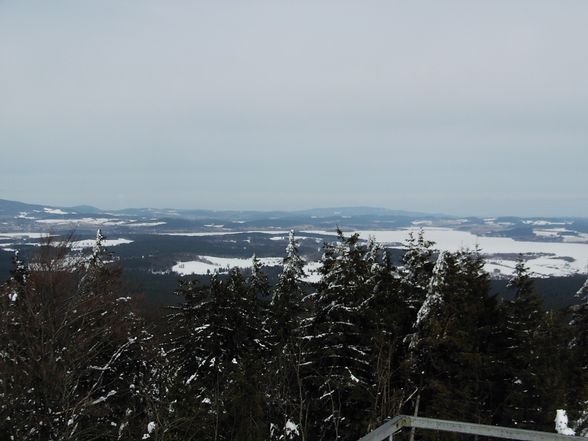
(243, 360)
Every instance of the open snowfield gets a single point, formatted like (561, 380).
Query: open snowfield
(89, 243)
(211, 264)
(76, 245)
(553, 258)
(225, 233)
(545, 259)
(20, 235)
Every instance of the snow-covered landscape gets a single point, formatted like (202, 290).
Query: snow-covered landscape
(551, 247)
(545, 259)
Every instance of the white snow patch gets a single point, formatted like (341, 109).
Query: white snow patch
(541, 222)
(284, 238)
(561, 423)
(578, 238)
(89, 243)
(422, 222)
(546, 233)
(312, 271)
(146, 224)
(54, 211)
(224, 233)
(353, 377)
(210, 264)
(83, 220)
(24, 215)
(104, 398)
(291, 428)
(20, 235)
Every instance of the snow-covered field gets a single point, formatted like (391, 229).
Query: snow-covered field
(211, 264)
(83, 220)
(76, 245)
(54, 211)
(225, 233)
(89, 243)
(545, 259)
(20, 235)
(553, 258)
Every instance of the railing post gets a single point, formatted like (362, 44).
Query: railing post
(387, 430)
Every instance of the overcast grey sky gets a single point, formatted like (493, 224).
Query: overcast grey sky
(464, 107)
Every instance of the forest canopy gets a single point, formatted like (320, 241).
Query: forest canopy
(242, 359)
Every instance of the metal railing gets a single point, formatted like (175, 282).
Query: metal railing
(387, 430)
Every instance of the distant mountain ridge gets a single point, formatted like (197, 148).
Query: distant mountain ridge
(10, 207)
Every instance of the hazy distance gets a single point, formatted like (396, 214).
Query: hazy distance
(460, 107)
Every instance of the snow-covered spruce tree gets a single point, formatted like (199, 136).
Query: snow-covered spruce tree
(218, 356)
(416, 270)
(199, 359)
(448, 345)
(474, 332)
(258, 281)
(428, 327)
(583, 292)
(287, 410)
(579, 346)
(524, 315)
(246, 400)
(286, 306)
(386, 314)
(554, 363)
(337, 360)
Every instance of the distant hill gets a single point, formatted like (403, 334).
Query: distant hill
(14, 208)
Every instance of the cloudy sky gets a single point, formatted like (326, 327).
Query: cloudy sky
(462, 107)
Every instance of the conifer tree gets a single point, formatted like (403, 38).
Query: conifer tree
(258, 282)
(386, 315)
(429, 328)
(286, 308)
(448, 346)
(196, 359)
(524, 315)
(289, 400)
(339, 349)
(578, 402)
(245, 390)
(417, 267)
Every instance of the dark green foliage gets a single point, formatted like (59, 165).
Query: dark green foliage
(449, 346)
(288, 402)
(339, 348)
(579, 347)
(240, 359)
(218, 348)
(523, 317)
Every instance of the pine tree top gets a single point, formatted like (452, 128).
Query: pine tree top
(583, 292)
